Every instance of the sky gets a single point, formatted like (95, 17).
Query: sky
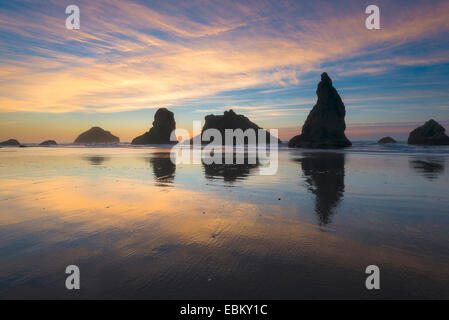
(260, 58)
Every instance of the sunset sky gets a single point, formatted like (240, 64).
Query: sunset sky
(261, 58)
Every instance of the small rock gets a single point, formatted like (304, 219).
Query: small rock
(48, 143)
(386, 140)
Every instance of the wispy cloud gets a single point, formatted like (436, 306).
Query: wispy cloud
(129, 56)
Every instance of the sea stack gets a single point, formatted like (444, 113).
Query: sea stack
(431, 134)
(48, 143)
(325, 126)
(10, 142)
(386, 140)
(231, 120)
(163, 125)
(96, 135)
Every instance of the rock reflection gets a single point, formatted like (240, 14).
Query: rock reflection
(325, 177)
(232, 172)
(96, 160)
(428, 167)
(163, 168)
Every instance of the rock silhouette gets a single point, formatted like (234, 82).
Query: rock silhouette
(48, 143)
(163, 125)
(386, 140)
(96, 135)
(431, 133)
(231, 120)
(325, 126)
(10, 142)
(325, 176)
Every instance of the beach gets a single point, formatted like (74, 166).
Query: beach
(139, 226)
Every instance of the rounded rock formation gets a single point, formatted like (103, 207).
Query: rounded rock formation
(48, 143)
(10, 142)
(386, 140)
(431, 133)
(96, 135)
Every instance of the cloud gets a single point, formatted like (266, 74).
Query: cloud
(368, 70)
(128, 56)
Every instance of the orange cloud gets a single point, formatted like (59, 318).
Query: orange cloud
(127, 68)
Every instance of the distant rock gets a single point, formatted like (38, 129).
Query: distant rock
(96, 135)
(10, 142)
(231, 120)
(48, 143)
(96, 160)
(431, 133)
(386, 140)
(163, 125)
(325, 126)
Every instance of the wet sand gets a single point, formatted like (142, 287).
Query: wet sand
(139, 226)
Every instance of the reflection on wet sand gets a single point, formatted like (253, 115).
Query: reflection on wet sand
(163, 168)
(132, 238)
(96, 160)
(428, 167)
(232, 172)
(325, 177)
(152, 248)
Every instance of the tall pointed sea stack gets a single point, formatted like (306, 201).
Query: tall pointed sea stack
(325, 126)
(163, 125)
